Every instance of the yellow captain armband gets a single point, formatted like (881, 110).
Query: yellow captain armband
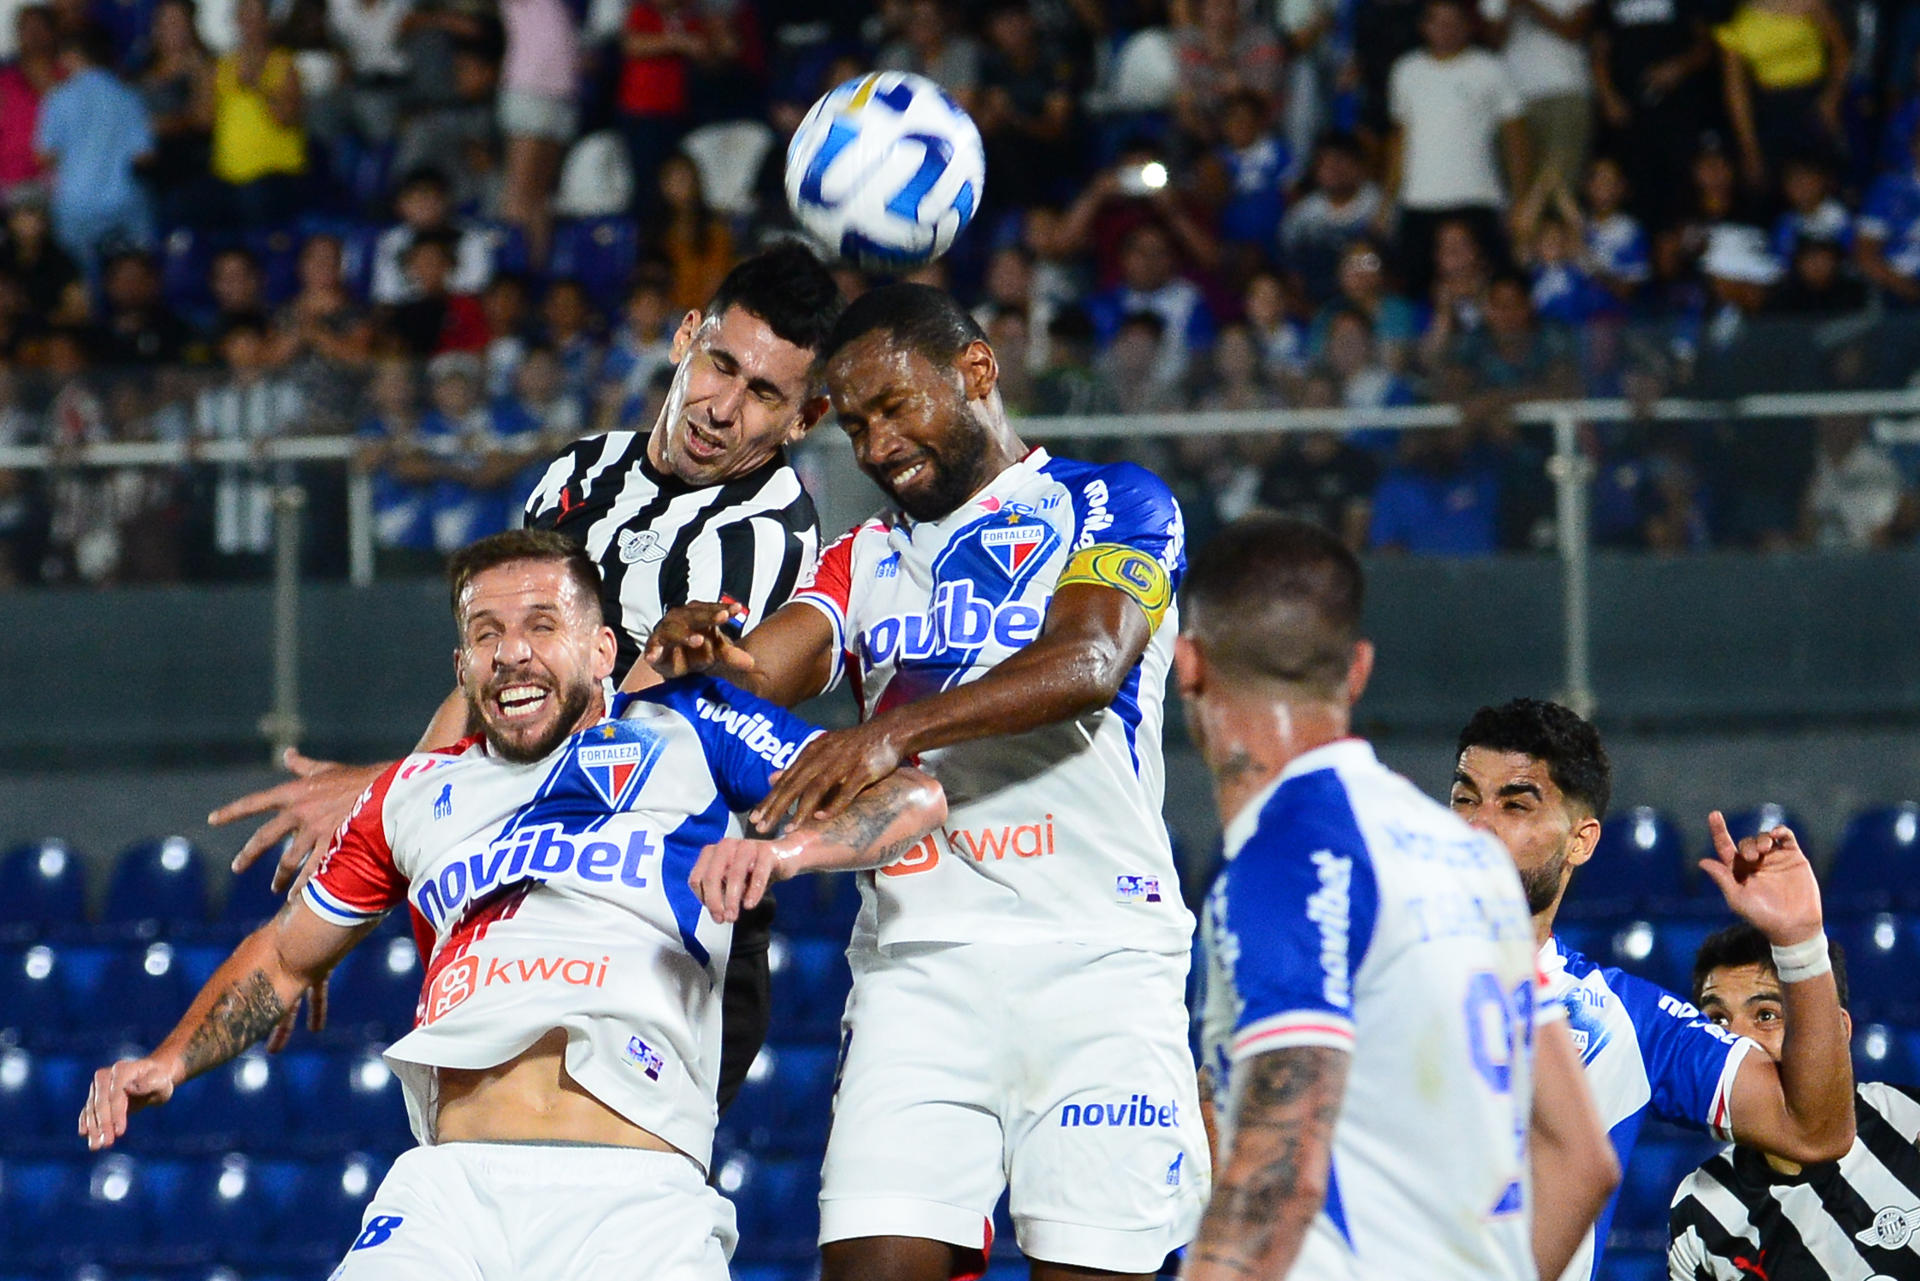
(1125, 569)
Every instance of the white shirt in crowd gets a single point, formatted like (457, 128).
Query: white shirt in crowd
(1540, 63)
(1451, 111)
(368, 32)
(1853, 499)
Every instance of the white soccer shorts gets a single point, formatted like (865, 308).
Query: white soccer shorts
(1059, 1071)
(514, 1211)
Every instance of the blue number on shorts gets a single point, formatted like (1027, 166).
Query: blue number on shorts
(1506, 1020)
(933, 163)
(379, 1228)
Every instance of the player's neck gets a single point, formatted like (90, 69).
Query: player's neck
(1250, 740)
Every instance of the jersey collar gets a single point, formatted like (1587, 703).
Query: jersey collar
(1340, 753)
(993, 494)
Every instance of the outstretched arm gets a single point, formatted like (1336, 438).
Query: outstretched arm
(1275, 1181)
(240, 1005)
(875, 830)
(1574, 1166)
(786, 660)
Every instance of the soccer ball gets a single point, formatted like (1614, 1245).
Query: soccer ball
(887, 170)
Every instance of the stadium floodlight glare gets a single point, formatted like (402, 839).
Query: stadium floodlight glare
(1154, 175)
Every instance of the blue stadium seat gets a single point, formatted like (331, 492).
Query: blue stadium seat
(343, 1101)
(803, 1097)
(374, 993)
(1877, 866)
(777, 1203)
(820, 907)
(31, 1009)
(1657, 1166)
(141, 995)
(1636, 867)
(43, 890)
(748, 1123)
(810, 986)
(1882, 1052)
(156, 886)
(241, 1105)
(1883, 966)
(80, 974)
(319, 1204)
(28, 1107)
(1675, 944)
(1634, 947)
(1635, 1265)
(598, 252)
(34, 1197)
(251, 901)
(112, 1211)
(220, 1207)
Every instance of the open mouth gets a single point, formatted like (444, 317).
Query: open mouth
(522, 701)
(703, 446)
(904, 474)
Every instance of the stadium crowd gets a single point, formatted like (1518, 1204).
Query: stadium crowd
(465, 230)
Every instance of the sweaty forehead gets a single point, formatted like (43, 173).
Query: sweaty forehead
(876, 365)
(517, 586)
(1734, 985)
(1490, 770)
(761, 352)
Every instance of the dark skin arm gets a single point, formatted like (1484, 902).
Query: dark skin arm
(1276, 1180)
(1091, 639)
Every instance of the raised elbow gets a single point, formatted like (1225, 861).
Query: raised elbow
(1829, 1143)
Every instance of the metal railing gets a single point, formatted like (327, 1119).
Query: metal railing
(1568, 469)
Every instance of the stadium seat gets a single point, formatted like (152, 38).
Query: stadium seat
(598, 252)
(821, 907)
(343, 1101)
(810, 986)
(1877, 866)
(111, 1213)
(31, 1009)
(34, 1197)
(748, 1123)
(1655, 1170)
(1883, 966)
(777, 1203)
(1637, 867)
(241, 1105)
(1882, 1052)
(141, 995)
(317, 1208)
(43, 890)
(220, 1207)
(1633, 947)
(1635, 1265)
(27, 1108)
(156, 886)
(374, 993)
(250, 901)
(803, 1097)
(1675, 944)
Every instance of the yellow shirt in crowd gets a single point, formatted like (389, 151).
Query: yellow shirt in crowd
(248, 143)
(1781, 50)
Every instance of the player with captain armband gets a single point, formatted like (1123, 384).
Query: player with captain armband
(581, 867)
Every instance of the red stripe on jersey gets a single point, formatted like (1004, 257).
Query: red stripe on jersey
(358, 868)
(1294, 1029)
(831, 578)
(459, 747)
(498, 906)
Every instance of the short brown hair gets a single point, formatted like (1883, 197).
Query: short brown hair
(1276, 599)
(495, 550)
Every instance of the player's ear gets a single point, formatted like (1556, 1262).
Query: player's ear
(1189, 666)
(1585, 839)
(683, 336)
(811, 412)
(460, 666)
(1359, 670)
(979, 370)
(605, 650)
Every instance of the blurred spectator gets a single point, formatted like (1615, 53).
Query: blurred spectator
(1343, 205)
(664, 40)
(1459, 294)
(1362, 378)
(1616, 256)
(538, 116)
(1887, 247)
(1237, 378)
(1364, 289)
(1511, 359)
(1547, 246)
(369, 34)
(1674, 521)
(1715, 199)
(1148, 283)
(1440, 497)
(1009, 283)
(435, 319)
(1259, 168)
(696, 241)
(1281, 341)
(1008, 330)
(34, 71)
(22, 513)
(1857, 498)
(1543, 44)
(1318, 36)
(1133, 366)
(1135, 191)
(259, 126)
(44, 271)
(138, 328)
(120, 524)
(1025, 109)
(75, 415)
(403, 470)
(1070, 384)
(93, 134)
(322, 338)
(641, 347)
(507, 307)
(247, 404)
(176, 82)
(423, 204)
(566, 315)
(1812, 208)
(931, 44)
(1649, 60)
(457, 136)
(1818, 283)
(1222, 53)
(540, 398)
(1734, 343)
(1455, 117)
(238, 289)
(1319, 476)
(472, 496)
(1784, 64)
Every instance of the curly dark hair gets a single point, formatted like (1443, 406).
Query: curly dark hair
(1568, 744)
(1743, 944)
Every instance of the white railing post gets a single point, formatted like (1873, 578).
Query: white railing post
(359, 526)
(282, 726)
(1572, 475)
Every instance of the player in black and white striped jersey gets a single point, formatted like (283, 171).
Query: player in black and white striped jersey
(703, 505)
(1746, 1214)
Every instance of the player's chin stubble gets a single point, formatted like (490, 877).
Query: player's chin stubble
(522, 751)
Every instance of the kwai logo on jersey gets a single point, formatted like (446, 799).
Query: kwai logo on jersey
(616, 770)
(1022, 840)
(452, 987)
(1139, 1112)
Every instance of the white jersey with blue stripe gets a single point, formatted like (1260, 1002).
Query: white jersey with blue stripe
(1054, 835)
(1645, 1051)
(555, 894)
(1355, 913)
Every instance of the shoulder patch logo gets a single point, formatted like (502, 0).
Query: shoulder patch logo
(443, 803)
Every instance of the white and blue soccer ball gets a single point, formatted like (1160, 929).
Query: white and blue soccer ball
(887, 170)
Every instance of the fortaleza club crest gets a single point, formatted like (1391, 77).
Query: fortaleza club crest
(1013, 544)
(615, 770)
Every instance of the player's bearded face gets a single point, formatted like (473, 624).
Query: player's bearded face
(919, 442)
(530, 662)
(1514, 797)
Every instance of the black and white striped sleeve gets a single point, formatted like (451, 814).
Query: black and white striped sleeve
(756, 558)
(566, 489)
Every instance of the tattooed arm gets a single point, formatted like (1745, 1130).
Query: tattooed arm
(880, 825)
(240, 1004)
(1275, 1181)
